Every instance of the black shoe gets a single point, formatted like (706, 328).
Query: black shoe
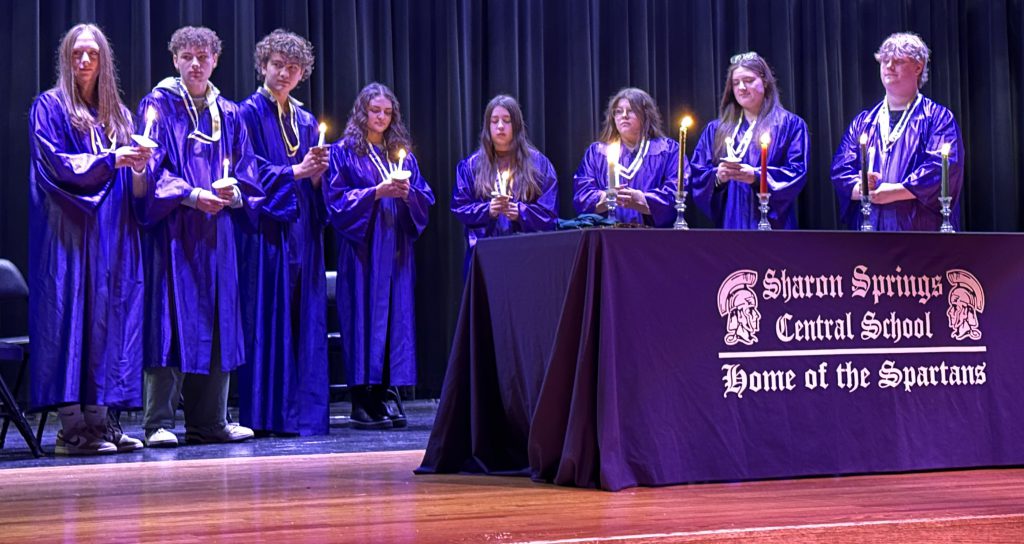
(365, 415)
(395, 410)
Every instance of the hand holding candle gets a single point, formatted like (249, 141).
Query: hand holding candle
(323, 134)
(765, 140)
(945, 170)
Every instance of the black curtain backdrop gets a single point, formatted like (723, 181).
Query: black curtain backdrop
(562, 59)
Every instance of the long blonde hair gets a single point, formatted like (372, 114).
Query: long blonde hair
(110, 111)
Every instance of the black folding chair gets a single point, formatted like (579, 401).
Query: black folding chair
(14, 349)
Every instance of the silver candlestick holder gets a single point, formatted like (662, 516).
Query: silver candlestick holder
(762, 199)
(609, 201)
(865, 210)
(945, 201)
(680, 209)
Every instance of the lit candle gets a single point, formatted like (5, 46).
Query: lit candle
(504, 188)
(323, 133)
(765, 140)
(612, 152)
(684, 127)
(945, 170)
(728, 147)
(864, 164)
(150, 117)
(227, 164)
(401, 158)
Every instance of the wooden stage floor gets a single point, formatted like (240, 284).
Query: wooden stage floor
(374, 497)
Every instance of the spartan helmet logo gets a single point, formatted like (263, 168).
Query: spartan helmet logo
(737, 303)
(966, 301)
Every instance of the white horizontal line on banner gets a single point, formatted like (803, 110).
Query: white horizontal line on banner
(850, 351)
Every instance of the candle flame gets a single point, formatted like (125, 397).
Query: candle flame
(864, 138)
(401, 153)
(323, 128)
(150, 114)
(504, 175)
(613, 153)
(765, 139)
(945, 150)
(686, 123)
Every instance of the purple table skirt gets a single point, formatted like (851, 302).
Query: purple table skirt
(617, 358)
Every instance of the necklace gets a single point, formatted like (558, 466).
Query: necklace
(193, 114)
(96, 139)
(638, 161)
(740, 151)
(379, 164)
(889, 138)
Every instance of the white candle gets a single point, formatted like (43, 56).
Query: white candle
(227, 164)
(728, 147)
(612, 153)
(504, 183)
(323, 132)
(401, 159)
(150, 117)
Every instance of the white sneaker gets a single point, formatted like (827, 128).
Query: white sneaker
(161, 438)
(232, 432)
(82, 444)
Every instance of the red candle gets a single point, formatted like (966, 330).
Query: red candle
(765, 140)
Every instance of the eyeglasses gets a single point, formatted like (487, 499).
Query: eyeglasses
(619, 113)
(736, 59)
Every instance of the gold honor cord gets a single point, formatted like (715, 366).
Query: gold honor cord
(290, 149)
(638, 161)
(379, 164)
(888, 139)
(96, 138)
(193, 114)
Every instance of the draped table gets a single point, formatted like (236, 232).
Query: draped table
(621, 357)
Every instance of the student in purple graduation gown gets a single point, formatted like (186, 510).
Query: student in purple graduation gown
(283, 388)
(85, 270)
(378, 215)
(529, 197)
(727, 160)
(648, 162)
(907, 131)
(194, 330)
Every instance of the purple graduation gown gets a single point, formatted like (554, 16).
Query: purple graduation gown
(656, 177)
(474, 211)
(191, 263)
(915, 160)
(85, 268)
(376, 266)
(734, 204)
(284, 386)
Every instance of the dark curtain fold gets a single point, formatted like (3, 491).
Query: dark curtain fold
(562, 59)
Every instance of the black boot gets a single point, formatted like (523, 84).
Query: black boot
(395, 410)
(365, 414)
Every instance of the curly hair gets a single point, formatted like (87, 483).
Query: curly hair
(395, 137)
(906, 45)
(487, 170)
(291, 46)
(731, 113)
(110, 110)
(194, 36)
(641, 103)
